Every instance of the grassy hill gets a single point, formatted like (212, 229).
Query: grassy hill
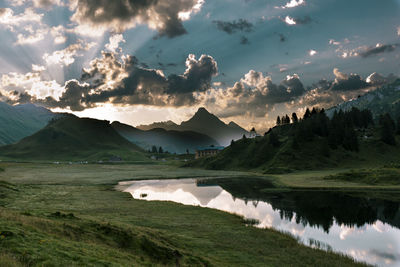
(17, 122)
(170, 140)
(310, 144)
(72, 138)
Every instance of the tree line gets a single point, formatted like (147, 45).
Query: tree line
(342, 129)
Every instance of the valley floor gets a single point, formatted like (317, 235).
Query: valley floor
(71, 215)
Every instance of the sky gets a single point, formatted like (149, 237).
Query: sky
(140, 61)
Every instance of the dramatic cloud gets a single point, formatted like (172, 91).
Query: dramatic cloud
(67, 56)
(379, 49)
(232, 27)
(125, 82)
(344, 82)
(164, 16)
(22, 88)
(253, 95)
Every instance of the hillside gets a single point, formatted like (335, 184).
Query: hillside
(17, 122)
(72, 138)
(169, 140)
(205, 123)
(349, 139)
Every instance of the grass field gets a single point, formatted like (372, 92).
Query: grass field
(71, 215)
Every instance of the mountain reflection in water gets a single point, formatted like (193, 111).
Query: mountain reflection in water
(364, 228)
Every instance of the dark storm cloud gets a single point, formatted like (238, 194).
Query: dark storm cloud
(120, 15)
(133, 84)
(344, 82)
(379, 49)
(231, 27)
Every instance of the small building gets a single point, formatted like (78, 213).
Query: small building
(208, 151)
(253, 133)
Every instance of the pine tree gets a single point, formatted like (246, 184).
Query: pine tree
(278, 121)
(287, 119)
(160, 150)
(295, 119)
(387, 129)
(153, 149)
(307, 114)
(350, 141)
(398, 126)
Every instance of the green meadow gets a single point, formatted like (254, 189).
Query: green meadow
(71, 214)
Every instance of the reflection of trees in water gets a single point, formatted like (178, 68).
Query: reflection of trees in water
(323, 208)
(317, 208)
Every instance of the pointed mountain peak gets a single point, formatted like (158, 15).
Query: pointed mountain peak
(236, 126)
(202, 110)
(203, 115)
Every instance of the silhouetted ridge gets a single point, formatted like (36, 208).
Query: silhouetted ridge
(71, 138)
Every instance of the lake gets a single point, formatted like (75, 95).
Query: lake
(365, 228)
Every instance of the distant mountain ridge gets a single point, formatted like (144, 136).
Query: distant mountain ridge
(170, 140)
(205, 123)
(17, 122)
(73, 138)
(385, 99)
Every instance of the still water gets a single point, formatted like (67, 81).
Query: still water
(364, 228)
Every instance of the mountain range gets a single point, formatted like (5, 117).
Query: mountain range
(385, 99)
(206, 123)
(24, 125)
(170, 140)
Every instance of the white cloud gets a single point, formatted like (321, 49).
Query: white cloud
(312, 52)
(294, 3)
(290, 21)
(333, 42)
(38, 68)
(67, 56)
(31, 38)
(8, 17)
(114, 42)
(58, 33)
(195, 9)
(398, 31)
(17, 2)
(30, 83)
